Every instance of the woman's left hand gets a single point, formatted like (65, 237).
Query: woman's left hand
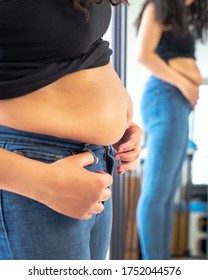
(128, 148)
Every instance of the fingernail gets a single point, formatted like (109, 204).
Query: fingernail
(121, 170)
(96, 160)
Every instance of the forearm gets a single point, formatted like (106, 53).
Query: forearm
(162, 70)
(60, 186)
(22, 175)
(187, 68)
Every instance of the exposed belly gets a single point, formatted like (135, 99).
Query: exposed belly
(188, 68)
(90, 106)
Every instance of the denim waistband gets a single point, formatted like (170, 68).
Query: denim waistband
(157, 81)
(8, 134)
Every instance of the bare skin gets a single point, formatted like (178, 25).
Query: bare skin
(187, 66)
(89, 106)
(180, 72)
(181, 65)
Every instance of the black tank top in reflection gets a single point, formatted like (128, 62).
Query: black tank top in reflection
(171, 46)
(43, 40)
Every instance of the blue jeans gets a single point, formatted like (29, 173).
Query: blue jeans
(165, 114)
(30, 230)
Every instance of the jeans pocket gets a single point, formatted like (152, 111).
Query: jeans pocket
(38, 155)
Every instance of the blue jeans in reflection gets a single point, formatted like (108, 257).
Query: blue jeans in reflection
(165, 114)
(30, 230)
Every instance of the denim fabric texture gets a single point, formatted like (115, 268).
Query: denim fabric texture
(165, 113)
(30, 230)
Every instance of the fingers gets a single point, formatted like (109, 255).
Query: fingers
(129, 155)
(132, 143)
(125, 166)
(84, 159)
(128, 160)
(105, 195)
(83, 190)
(98, 180)
(97, 208)
(128, 146)
(104, 179)
(194, 97)
(194, 102)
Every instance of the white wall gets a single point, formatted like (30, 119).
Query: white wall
(202, 59)
(134, 73)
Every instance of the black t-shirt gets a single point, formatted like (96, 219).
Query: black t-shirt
(43, 40)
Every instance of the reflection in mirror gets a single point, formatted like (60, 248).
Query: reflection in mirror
(190, 231)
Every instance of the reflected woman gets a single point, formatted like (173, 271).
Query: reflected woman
(167, 31)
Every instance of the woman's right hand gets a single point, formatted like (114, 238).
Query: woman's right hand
(73, 190)
(190, 91)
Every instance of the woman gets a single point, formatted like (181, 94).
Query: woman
(59, 116)
(165, 46)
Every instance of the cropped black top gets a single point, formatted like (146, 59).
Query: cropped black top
(43, 40)
(171, 46)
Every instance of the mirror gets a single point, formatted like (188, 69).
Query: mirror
(190, 232)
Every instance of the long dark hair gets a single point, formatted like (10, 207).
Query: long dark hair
(82, 5)
(180, 17)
